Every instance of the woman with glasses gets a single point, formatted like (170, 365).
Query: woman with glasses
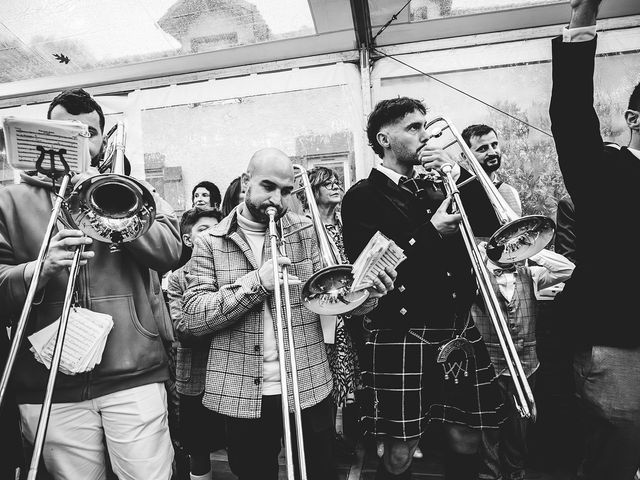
(328, 192)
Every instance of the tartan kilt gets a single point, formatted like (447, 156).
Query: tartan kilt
(405, 388)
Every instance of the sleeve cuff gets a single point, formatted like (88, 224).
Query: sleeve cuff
(579, 34)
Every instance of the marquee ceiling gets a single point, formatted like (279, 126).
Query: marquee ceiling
(47, 45)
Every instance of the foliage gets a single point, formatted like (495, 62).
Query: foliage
(529, 162)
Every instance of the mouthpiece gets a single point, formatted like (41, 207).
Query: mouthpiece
(272, 212)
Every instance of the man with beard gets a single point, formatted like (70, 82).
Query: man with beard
(483, 142)
(408, 385)
(229, 297)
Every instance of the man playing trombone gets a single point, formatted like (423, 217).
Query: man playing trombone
(122, 401)
(231, 295)
(413, 375)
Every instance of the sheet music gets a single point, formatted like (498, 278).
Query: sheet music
(85, 339)
(23, 136)
(380, 252)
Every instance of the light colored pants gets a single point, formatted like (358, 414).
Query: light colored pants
(133, 423)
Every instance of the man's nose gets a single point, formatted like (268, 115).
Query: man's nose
(276, 198)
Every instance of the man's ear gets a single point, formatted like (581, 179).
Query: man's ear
(633, 119)
(383, 139)
(186, 239)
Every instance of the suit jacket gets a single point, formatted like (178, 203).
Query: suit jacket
(565, 241)
(604, 303)
(435, 281)
(225, 299)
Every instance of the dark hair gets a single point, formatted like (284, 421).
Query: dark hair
(232, 196)
(387, 112)
(477, 130)
(214, 192)
(634, 99)
(77, 101)
(317, 177)
(190, 217)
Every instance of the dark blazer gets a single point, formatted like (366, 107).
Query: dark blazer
(435, 281)
(565, 240)
(603, 299)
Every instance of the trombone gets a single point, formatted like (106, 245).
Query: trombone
(327, 292)
(517, 238)
(110, 208)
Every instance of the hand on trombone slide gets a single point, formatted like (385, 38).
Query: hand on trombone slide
(446, 223)
(61, 250)
(266, 274)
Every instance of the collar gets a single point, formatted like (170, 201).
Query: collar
(394, 176)
(498, 270)
(635, 152)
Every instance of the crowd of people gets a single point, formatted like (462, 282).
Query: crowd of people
(419, 354)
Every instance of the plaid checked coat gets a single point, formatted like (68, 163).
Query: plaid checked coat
(224, 297)
(191, 353)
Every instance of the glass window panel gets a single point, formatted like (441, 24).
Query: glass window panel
(418, 10)
(215, 140)
(41, 38)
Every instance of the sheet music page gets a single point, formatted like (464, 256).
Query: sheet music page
(84, 341)
(380, 252)
(23, 136)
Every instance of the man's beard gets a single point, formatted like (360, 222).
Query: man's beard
(491, 164)
(259, 212)
(406, 156)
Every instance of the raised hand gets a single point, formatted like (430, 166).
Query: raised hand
(583, 13)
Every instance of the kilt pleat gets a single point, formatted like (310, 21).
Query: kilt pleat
(405, 388)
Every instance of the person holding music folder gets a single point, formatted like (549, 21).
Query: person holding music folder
(504, 451)
(122, 401)
(229, 297)
(605, 328)
(429, 308)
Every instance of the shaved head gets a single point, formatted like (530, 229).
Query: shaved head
(270, 160)
(270, 182)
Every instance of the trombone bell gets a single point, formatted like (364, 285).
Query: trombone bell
(328, 292)
(520, 239)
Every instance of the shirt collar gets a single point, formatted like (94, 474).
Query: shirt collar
(394, 176)
(635, 151)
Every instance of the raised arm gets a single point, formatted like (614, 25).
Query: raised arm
(574, 123)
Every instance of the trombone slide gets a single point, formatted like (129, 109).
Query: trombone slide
(281, 298)
(525, 401)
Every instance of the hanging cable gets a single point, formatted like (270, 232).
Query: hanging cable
(391, 20)
(462, 92)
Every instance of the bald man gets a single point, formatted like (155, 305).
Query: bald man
(229, 298)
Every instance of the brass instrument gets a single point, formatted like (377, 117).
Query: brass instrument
(516, 239)
(108, 207)
(279, 328)
(327, 292)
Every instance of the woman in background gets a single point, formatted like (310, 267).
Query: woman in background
(327, 192)
(206, 194)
